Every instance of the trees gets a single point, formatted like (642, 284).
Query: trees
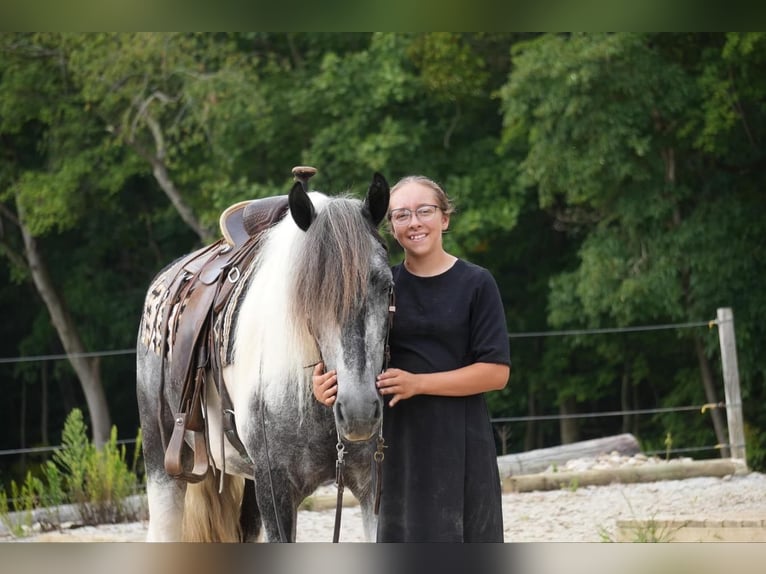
(620, 154)
(45, 177)
(605, 179)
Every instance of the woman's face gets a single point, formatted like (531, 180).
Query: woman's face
(417, 235)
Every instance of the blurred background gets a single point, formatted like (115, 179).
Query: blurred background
(612, 183)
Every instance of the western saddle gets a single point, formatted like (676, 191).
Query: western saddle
(197, 295)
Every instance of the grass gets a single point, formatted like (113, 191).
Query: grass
(651, 530)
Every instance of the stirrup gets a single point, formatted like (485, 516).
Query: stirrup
(173, 459)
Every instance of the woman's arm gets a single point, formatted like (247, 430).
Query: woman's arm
(471, 380)
(398, 384)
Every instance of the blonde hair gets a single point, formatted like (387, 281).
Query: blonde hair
(442, 200)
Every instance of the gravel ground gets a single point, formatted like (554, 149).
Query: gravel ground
(584, 514)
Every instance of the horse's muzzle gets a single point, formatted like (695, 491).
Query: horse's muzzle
(359, 421)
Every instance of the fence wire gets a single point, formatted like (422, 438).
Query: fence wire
(497, 420)
(523, 335)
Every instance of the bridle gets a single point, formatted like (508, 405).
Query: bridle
(303, 175)
(378, 456)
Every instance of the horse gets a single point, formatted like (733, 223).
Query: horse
(317, 289)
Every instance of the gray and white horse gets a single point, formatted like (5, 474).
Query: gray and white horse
(318, 289)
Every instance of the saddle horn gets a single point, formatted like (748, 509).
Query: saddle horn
(303, 173)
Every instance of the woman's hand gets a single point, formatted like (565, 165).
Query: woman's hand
(325, 385)
(397, 384)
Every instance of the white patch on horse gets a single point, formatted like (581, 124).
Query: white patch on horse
(271, 347)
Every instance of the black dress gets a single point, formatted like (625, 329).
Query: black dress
(440, 474)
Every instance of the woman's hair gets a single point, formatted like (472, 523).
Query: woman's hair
(442, 200)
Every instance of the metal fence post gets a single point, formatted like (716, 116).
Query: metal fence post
(725, 321)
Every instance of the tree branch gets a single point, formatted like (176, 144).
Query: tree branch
(159, 168)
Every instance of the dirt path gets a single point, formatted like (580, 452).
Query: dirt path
(585, 514)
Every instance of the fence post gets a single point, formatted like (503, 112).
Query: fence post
(725, 320)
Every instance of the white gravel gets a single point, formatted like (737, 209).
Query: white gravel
(584, 514)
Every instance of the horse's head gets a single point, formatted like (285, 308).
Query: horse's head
(344, 293)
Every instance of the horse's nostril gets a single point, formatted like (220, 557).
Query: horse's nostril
(341, 415)
(376, 410)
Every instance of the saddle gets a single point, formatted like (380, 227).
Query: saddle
(197, 295)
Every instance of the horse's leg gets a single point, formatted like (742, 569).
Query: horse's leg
(360, 482)
(249, 514)
(277, 504)
(369, 519)
(165, 496)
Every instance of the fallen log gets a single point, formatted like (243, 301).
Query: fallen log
(650, 472)
(538, 460)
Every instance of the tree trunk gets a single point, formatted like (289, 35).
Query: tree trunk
(23, 426)
(673, 470)
(87, 369)
(539, 460)
(44, 440)
(163, 178)
(160, 172)
(625, 396)
(531, 439)
(705, 371)
(711, 396)
(568, 427)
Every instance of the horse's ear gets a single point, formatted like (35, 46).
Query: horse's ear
(376, 202)
(301, 208)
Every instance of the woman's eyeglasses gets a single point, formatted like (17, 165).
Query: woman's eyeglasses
(403, 215)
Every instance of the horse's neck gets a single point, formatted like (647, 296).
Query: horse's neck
(272, 348)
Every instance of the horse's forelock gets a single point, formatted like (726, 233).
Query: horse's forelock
(332, 269)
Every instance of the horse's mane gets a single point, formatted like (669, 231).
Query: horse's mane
(332, 267)
(300, 280)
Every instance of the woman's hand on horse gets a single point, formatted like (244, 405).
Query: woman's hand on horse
(397, 384)
(325, 385)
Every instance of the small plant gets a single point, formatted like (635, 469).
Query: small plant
(24, 500)
(651, 530)
(604, 534)
(654, 531)
(98, 482)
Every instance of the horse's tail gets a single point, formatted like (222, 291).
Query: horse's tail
(210, 516)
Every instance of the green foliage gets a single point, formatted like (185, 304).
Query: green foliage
(606, 180)
(627, 166)
(97, 481)
(25, 498)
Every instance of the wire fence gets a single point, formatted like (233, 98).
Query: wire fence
(494, 421)
(504, 420)
(520, 335)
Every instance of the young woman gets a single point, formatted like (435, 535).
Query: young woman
(449, 344)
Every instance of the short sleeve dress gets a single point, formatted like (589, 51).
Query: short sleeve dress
(440, 475)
